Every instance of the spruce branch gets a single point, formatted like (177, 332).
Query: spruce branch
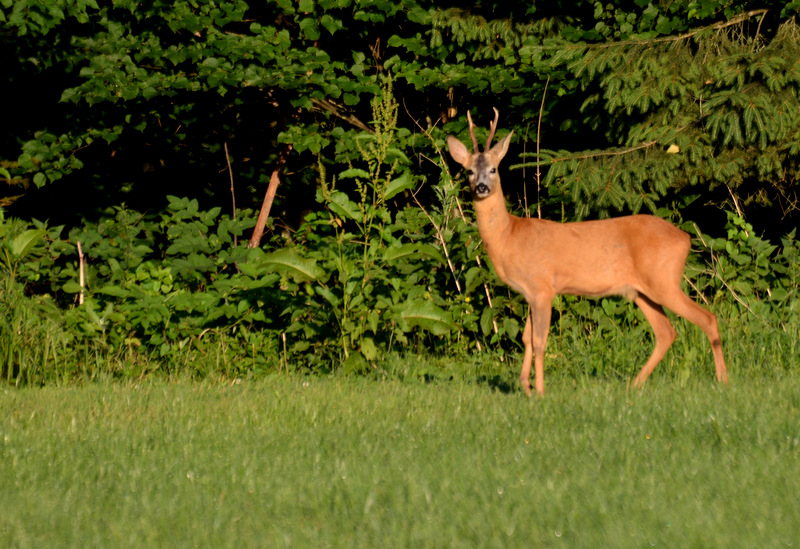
(741, 18)
(566, 51)
(583, 155)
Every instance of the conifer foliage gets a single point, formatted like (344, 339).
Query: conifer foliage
(715, 107)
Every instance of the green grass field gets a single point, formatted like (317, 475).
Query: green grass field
(353, 462)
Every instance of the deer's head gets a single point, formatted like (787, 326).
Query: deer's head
(482, 167)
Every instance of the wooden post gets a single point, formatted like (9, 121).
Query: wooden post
(266, 206)
(81, 275)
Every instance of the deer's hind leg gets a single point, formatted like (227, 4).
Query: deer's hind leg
(662, 330)
(682, 305)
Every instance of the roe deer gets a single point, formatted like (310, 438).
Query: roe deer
(640, 257)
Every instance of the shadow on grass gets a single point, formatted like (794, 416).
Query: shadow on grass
(498, 383)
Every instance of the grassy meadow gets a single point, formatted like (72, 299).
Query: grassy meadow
(290, 461)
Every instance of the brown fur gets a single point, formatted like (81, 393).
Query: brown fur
(640, 257)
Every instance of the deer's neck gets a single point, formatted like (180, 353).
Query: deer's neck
(494, 221)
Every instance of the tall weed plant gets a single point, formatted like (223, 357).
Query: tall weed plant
(381, 274)
(34, 345)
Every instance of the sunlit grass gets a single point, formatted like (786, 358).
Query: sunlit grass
(331, 462)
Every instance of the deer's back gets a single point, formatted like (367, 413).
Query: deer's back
(622, 255)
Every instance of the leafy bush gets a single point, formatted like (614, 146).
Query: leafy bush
(171, 293)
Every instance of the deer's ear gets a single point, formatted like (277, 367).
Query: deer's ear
(458, 151)
(500, 150)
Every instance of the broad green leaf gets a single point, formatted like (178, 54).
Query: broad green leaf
(426, 315)
(250, 269)
(309, 28)
(355, 364)
(354, 173)
(288, 261)
(402, 183)
(472, 279)
(71, 287)
(511, 327)
(487, 318)
(111, 290)
(393, 153)
(369, 349)
(330, 24)
(26, 241)
(345, 208)
(329, 296)
(412, 251)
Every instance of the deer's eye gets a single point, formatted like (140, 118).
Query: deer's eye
(470, 173)
(493, 170)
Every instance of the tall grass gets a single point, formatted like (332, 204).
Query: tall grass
(38, 346)
(352, 462)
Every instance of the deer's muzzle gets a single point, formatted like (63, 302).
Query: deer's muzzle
(481, 190)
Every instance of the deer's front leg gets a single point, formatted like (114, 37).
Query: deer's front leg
(537, 326)
(527, 341)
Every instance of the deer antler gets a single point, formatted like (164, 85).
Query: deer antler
(492, 129)
(472, 134)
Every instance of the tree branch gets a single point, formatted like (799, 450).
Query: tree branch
(334, 109)
(233, 193)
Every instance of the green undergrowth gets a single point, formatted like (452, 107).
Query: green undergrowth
(38, 348)
(298, 461)
(365, 278)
